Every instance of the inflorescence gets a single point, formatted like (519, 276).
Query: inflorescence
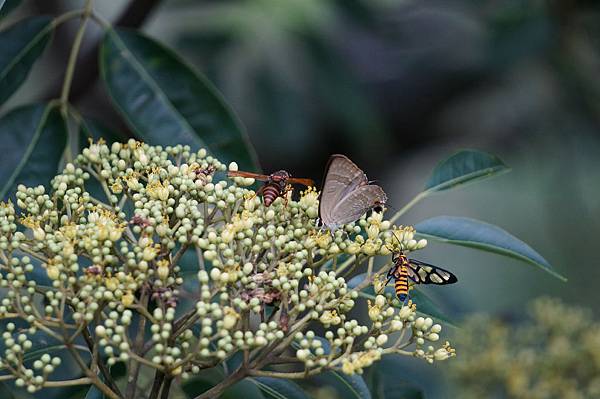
(113, 237)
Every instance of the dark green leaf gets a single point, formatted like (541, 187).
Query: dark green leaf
(166, 102)
(426, 306)
(6, 392)
(33, 141)
(94, 393)
(350, 386)
(480, 235)
(202, 382)
(277, 388)
(243, 389)
(385, 381)
(118, 370)
(95, 130)
(6, 6)
(21, 46)
(465, 166)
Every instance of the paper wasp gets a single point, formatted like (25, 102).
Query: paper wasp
(276, 185)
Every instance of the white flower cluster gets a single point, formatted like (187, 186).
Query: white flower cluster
(264, 275)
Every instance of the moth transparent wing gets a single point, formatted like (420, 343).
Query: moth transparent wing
(357, 203)
(424, 273)
(342, 176)
(412, 274)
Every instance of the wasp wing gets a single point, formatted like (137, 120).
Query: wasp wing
(424, 273)
(305, 182)
(239, 173)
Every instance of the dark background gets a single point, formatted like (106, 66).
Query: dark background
(397, 86)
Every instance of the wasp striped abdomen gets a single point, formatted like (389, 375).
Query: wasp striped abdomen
(401, 282)
(270, 192)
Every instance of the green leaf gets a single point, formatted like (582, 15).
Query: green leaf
(428, 307)
(463, 167)
(166, 102)
(118, 370)
(6, 6)
(484, 236)
(277, 388)
(33, 140)
(385, 382)
(95, 130)
(350, 386)
(21, 45)
(201, 383)
(211, 377)
(94, 393)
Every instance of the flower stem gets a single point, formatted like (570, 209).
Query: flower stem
(66, 87)
(409, 205)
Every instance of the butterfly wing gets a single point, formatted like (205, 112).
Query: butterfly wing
(424, 273)
(357, 203)
(342, 176)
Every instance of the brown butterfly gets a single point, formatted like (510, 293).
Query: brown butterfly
(346, 194)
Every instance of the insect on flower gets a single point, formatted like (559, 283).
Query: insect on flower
(419, 272)
(203, 173)
(276, 185)
(347, 194)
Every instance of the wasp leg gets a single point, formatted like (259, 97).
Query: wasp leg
(386, 284)
(288, 189)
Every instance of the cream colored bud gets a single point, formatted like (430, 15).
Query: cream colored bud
(248, 268)
(433, 337)
(227, 235)
(382, 339)
(396, 325)
(203, 276)
(441, 354)
(302, 354)
(405, 312)
(233, 167)
(353, 248)
(101, 331)
(149, 253)
(372, 231)
(163, 272)
(215, 274)
(230, 319)
(39, 234)
(127, 299)
(52, 272)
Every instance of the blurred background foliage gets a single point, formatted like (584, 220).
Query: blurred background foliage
(398, 85)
